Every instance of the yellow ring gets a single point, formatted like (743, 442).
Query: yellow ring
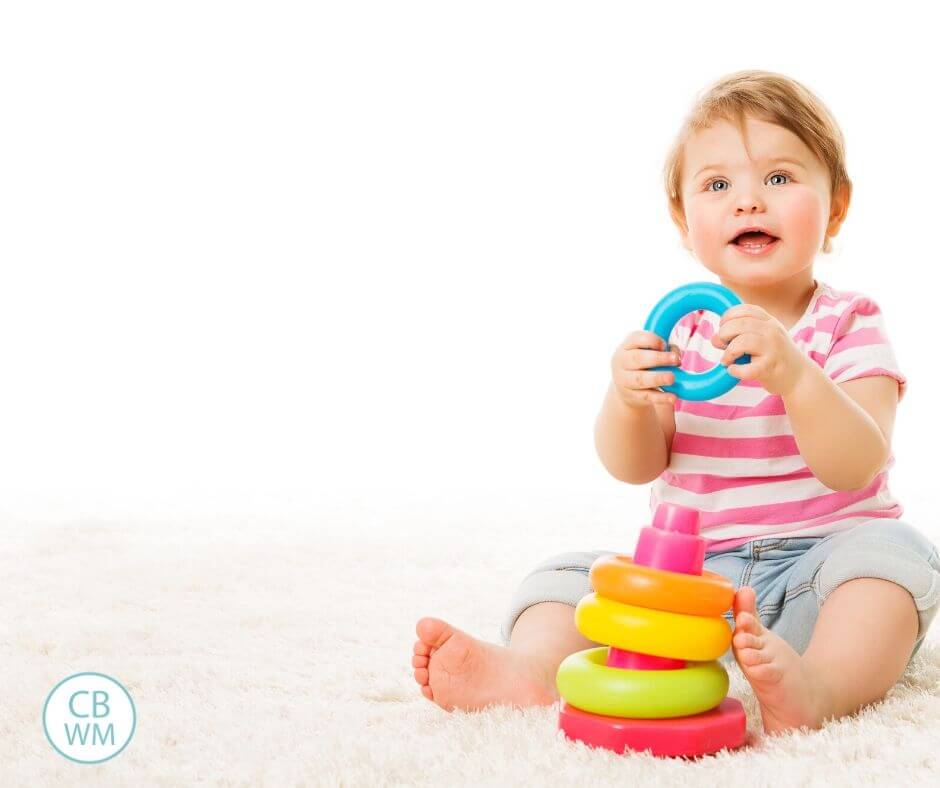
(586, 682)
(657, 632)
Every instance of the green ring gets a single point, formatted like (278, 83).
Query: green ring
(586, 682)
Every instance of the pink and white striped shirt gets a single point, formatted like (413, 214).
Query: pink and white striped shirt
(735, 458)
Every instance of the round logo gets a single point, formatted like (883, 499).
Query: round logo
(89, 717)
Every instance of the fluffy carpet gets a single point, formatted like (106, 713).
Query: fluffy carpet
(276, 651)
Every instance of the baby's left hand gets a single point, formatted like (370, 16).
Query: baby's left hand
(776, 362)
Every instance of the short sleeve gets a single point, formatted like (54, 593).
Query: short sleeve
(860, 346)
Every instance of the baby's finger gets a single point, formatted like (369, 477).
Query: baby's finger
(644, 359)
(644, 340)
(660, 396)
(737, 347)
(753, 371)
(653, 380)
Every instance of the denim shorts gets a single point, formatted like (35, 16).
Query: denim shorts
(792, 577)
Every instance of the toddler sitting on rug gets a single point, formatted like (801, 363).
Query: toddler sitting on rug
(788, 469)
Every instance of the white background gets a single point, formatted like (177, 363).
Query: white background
(264, 256)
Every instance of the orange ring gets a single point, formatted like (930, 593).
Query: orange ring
(617, 577)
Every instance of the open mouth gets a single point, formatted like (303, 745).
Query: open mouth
(755, 242)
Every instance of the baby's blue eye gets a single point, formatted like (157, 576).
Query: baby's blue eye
(722, 180)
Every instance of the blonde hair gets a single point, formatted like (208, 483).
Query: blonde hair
(767, 96)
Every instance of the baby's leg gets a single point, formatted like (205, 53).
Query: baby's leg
(862, 643)
(859, 603)
(546, 632)
(878, 591)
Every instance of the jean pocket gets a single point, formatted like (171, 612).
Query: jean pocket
(777, 549)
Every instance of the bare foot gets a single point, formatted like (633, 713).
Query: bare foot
(458, 671)
(788, 695)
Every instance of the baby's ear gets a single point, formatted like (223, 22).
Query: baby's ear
(678, 217)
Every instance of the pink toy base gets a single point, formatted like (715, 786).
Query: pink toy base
(698, 734)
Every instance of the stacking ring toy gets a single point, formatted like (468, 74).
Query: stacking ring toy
(585, 681)
(616, 577)
(656, 632)
(653, 681)
(671, 308)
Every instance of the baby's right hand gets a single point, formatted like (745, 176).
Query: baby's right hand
(637, 386)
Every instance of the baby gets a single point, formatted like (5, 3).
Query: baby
(788, 469)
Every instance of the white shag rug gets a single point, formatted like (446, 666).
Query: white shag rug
(277, 651)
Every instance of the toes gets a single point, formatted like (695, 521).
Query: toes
(418, 661)
(426, 691)
(743, 640)
(433, 631)
(751, 657)
(422, 649)
(421, 676)
(748, 622)
(745, 611)
(745, 599)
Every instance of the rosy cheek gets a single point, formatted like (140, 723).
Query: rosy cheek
(803, 213)
(704, 228)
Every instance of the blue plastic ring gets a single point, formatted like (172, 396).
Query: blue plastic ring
(671, 308)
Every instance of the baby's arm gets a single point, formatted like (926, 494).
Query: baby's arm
(842, 430)
(633, 441)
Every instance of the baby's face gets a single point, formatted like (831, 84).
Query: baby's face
(724, 191)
